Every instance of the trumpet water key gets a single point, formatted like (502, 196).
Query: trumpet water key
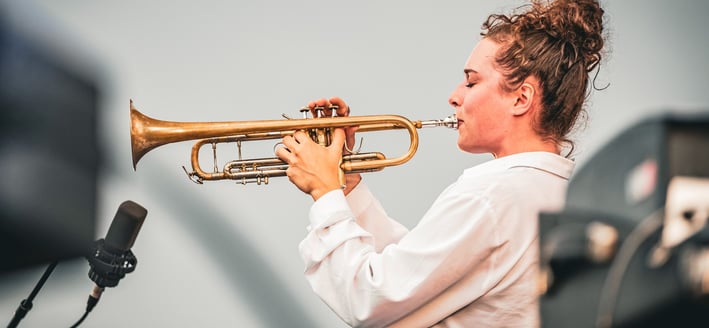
(148, 133)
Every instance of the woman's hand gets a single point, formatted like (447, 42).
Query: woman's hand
(342, 110)
(352, 179)
(314, 169)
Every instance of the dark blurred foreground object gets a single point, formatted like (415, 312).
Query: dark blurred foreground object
(49, 158)
(631, 247)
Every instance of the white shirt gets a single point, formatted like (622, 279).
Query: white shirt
(471, 261)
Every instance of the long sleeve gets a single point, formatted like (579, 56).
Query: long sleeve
(369, 288)
(370, 215)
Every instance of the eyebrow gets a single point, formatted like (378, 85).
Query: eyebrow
(467, 71)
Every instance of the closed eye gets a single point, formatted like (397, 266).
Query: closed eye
(470, 75)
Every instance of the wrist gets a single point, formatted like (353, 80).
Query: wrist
(351, 181)
(317, 193)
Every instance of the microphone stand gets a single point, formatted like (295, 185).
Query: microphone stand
(26, 304)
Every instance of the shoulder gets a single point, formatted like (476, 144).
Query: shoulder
(515, 172)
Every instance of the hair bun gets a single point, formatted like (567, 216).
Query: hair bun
(578, 23)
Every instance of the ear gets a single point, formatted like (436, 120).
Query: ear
(525, 96)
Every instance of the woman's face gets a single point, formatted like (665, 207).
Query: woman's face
(482, 107)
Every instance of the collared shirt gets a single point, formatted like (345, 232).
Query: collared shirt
(471, 261)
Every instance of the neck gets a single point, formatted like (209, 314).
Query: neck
(553, 150)
(526, 144)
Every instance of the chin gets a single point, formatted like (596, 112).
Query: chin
(473, 149)
(467, 148)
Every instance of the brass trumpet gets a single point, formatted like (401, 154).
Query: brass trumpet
(148, 133)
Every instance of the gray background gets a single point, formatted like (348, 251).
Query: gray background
(225, 255)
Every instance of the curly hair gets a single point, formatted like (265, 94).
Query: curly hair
(558, 42)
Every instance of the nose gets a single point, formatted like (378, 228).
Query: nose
(456, 97)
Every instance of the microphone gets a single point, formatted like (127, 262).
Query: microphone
(111, 258)
(125, 226)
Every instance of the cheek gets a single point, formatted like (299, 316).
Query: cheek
(480, 112)
(474, 109)
(482, 107)
(467, 112)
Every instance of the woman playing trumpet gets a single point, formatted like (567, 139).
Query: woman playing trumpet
(472, 260)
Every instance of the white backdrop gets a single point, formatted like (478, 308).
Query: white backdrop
(225, 255)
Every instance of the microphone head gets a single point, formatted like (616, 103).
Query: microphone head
(125, 226)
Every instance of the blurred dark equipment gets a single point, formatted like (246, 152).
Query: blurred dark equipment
(49, 158)
(630, 248)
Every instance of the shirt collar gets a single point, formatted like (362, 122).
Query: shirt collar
(544, 161)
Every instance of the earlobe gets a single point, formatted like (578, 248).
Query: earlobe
(524, 99)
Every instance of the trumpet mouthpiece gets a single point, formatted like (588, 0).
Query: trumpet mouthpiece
(449, 122)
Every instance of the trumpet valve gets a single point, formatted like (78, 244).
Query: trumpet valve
(304, 111)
